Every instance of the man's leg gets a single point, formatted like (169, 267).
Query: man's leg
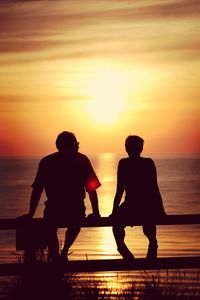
(119, 234)
(53, 243)
(51, 234)
(70, 236)
(150, 232)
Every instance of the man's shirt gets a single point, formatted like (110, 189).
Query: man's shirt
(66, 178)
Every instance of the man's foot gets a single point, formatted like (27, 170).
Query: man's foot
(52, 258)
(64, 256)
(152, 251)
(125, 253)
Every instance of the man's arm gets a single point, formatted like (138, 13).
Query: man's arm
(94, 203)
(35, 197)
(120, 188)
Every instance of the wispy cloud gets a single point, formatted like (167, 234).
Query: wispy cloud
(91, 28)
(10, 98)
(55, 30)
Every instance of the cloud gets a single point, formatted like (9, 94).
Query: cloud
(171, 50)
(40, 17)
(160, 9)
(29, 46)
(5, 99)
(84, 28)
(11, 104)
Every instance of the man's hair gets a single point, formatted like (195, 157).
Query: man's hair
(66, 140)
(134, 143)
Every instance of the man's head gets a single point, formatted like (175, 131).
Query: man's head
(134, 145)
(66, 141)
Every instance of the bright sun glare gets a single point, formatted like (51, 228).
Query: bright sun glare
(107, 96)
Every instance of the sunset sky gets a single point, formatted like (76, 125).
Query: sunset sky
(101, 69)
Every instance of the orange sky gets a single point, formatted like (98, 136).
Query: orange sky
(101, 69)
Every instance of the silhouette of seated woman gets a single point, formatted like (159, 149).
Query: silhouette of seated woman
(136, 176)
(66, 176)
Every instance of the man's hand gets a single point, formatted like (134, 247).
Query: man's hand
(93, 216)
(24, 219)
(110, 216)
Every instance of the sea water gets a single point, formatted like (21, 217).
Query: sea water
(179, 182)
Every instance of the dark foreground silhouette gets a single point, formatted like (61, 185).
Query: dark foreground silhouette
(136, 176)
(65, 176)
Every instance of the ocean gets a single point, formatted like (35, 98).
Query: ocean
(179, 182)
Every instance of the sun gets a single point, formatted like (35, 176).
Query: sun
(107, 96)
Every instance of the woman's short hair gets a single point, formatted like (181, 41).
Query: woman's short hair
(134, 143)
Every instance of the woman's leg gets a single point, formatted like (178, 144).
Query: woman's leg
(119, 235)
(150, 232)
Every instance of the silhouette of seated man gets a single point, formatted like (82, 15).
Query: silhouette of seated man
(65, 175)
(136, 176)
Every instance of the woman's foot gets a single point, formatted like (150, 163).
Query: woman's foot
(125, 253)
(64, 256)
(152, 251)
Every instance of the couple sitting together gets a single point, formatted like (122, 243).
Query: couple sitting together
(67, 175)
